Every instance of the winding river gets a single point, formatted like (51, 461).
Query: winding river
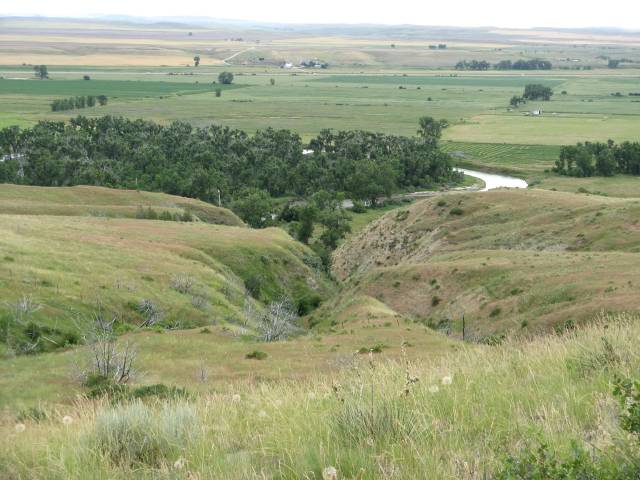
(492, 180)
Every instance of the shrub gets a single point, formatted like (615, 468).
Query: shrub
(402, 215)
(542, 464)
(253, 284)
(358, 207)
(456, 211)
(136, 434)
(628, 393)
(182, 283)
(308, 303)
(435, 301)
(256, 355)
(442, 203)
(495, 312)
(377, 348)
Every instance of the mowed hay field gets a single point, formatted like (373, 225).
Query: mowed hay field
(509, 261)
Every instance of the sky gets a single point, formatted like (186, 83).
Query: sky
(501, 13)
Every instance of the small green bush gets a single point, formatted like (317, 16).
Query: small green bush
(435, 301)
(256, 355)
(253, 284)
(377, 348)
(456, 211)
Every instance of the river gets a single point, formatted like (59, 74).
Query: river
(493, 180)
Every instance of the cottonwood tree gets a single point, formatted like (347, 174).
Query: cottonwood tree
(225, 78)
(41, 71)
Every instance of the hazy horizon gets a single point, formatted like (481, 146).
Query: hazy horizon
(491, 13)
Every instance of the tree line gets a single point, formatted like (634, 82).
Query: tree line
(600, 159)
(198, 162)
(535, 64)
(73, 103)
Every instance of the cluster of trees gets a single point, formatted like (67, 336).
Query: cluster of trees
(536, 91)
(225, 78)
(535, 64)
(41, 72)
(72, 103)
(605, 159)
(532, 92)
(473, 65)
(440, 46)
(196, 162)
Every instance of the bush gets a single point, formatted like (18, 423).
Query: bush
(308, 303)
(253, 284)
(256, 355)
(435, 301)
(377, 348)
(456, 211)
(136, 434)
(358, 207)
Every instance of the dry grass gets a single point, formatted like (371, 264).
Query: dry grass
(378, 420)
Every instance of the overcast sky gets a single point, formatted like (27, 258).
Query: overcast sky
(502, 13)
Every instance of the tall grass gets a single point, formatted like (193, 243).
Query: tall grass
(457, 418)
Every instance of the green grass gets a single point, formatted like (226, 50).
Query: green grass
(464, 414)
(104, 202)
(69, 266)
(114, 89)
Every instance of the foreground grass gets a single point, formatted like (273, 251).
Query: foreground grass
(453, 418)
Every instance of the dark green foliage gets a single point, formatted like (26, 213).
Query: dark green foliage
(100, 386)
(534, 64)
(605, 159)
(76, 103)
(536, 91)
(255, 207)
(435, 301)
(456, 211)
(225, 78)
(308, 303)
(256, 355)
(542, 464)
(41, 71)
(253, 284)
(495, 312)
(628, 394)
(358, 207)
(472, 65)
(197, 162)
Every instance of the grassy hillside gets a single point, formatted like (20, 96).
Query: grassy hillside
(464, 414)
(105, 202)
(507, 260)
(58, 271)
